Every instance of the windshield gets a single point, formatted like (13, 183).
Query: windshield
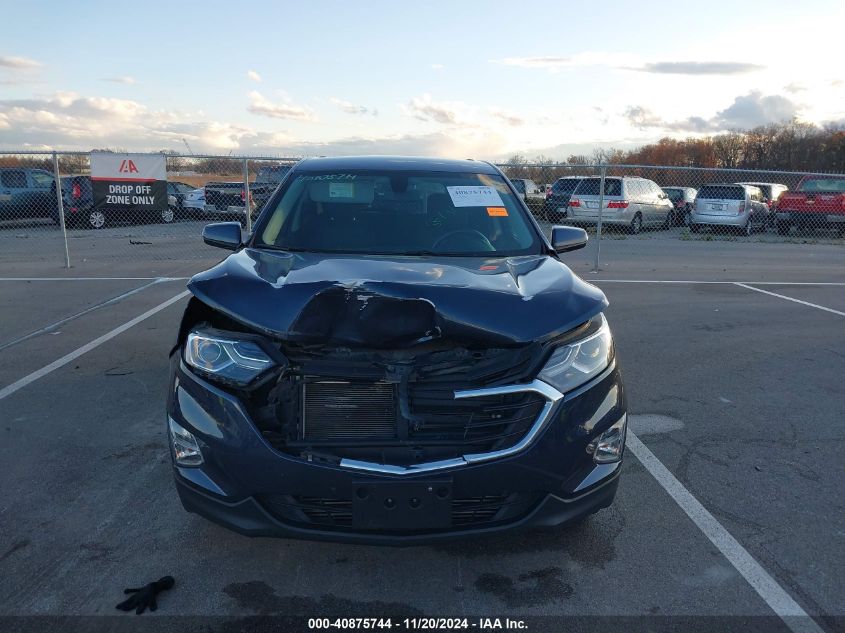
(590, 187)
(565, 185)
(823, 184)
(399, 213)
(721, 192)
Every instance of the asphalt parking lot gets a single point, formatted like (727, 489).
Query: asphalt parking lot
(735, 389)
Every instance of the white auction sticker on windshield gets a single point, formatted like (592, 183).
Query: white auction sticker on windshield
(341, 190)
(475, 196)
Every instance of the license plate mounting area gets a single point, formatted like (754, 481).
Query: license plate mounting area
(402, 505)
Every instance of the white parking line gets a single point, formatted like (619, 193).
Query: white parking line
(803, 303)
(766, 587)
(61, 322)
(64, 360)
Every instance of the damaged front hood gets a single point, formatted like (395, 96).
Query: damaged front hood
(395, 301)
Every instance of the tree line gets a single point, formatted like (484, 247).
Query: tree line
(787, 146)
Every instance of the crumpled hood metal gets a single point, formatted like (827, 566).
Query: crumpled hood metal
(389, 301)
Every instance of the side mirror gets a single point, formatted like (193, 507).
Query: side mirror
(223, 235)
(568, 238)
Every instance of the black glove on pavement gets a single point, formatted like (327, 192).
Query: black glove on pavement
(145, 597)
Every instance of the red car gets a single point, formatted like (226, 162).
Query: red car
(817, 202)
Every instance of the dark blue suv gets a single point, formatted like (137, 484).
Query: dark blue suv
(395, 355)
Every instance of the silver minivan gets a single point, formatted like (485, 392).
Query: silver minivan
(735, 206)
(629, 201)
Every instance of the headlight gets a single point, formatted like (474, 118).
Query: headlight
(230, 359)
(572, 365)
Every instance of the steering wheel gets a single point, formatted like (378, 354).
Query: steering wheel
(474, 237)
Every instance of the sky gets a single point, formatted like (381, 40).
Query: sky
(459, 79)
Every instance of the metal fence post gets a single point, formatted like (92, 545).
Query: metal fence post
(601, 209)
(61, 207)
(247, 198)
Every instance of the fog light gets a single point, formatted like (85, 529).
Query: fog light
(608, 446)
(186, 451)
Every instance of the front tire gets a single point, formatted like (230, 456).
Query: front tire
(695, 228)
(783, 228)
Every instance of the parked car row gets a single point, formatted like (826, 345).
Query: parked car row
(228, 199)
(533, 194)
(28, 193)
(634, 203)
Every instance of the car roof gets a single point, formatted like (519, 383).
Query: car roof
(396, 163)
(768, 184)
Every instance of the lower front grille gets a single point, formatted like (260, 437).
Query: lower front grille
(332, 512)
(474, 510)
(326, 511)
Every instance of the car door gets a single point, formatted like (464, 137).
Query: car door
(758, 205)
(656, 202)
(644, 201)
(42, 198)
(13, 190)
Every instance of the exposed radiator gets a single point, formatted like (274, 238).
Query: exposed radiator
(348, 410)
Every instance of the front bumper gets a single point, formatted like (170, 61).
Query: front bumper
(246, 485)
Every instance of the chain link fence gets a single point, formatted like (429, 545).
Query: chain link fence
(645, 211)
(45, 224)
(631, 211)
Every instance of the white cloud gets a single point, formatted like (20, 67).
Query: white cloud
(507, 117)
(425, 108)
(351, 108)
(441, 144)
(69, 120)
(19, 63)
(746, 112)
(253, 76)
(699, 68)
(536, 62)
(263, 107)
(125, 79)
(437, 66)
(627, 61)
